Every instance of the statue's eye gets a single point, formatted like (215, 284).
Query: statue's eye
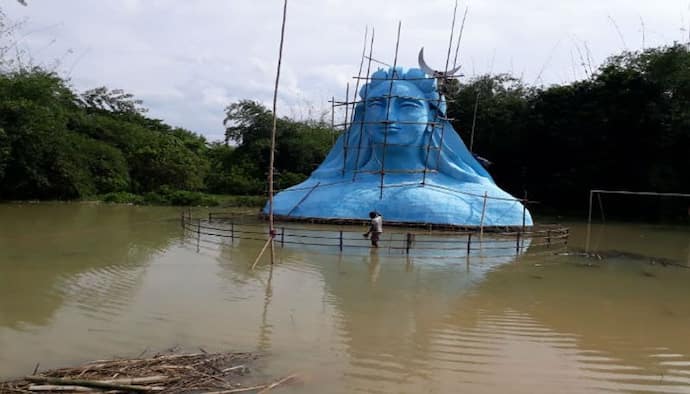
(411, 104)
(376, 103)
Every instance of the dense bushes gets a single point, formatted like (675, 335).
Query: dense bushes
(53, 147)
(55, 144)
(163, 197)
(626, 127)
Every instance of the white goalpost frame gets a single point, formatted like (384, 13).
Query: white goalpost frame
(601, 191)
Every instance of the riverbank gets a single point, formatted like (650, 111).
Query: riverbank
(170, 198)
(184, 198)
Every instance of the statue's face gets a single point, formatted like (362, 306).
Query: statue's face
(400, 122)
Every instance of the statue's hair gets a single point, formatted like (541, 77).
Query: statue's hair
(414, 76)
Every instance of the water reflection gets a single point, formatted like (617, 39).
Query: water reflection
(385, 309)
(376, 321)
(429, 324)
(90, 256)
(627, 316)
(660, 241)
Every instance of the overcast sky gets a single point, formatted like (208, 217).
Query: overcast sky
(189, 59)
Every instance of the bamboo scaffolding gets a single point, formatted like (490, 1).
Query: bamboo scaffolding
(412, 79)
(364, 110)
(346, 129)
(462, 28)
(388, 110)
(440, 120)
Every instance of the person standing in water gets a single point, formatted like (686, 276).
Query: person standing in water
(375, 228)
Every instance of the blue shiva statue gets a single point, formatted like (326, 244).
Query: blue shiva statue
(402, 158)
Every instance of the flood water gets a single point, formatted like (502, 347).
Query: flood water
(87, 281)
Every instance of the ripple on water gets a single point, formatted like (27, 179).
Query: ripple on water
(103, 292)
(373, 323)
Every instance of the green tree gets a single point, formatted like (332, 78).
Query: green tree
(115, 100)
(300, 145)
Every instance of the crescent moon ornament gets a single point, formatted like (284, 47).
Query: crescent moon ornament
(430, 71)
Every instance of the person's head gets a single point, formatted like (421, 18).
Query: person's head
(372, 214)
(399, 106)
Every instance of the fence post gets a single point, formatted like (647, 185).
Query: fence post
(469, 242)
(408, 243)
(341, 240)
(481, 222)
(232, 230)
(282, 236)
(524, 212)
(182, 218)
(567, 235)
(517, 243)
(198, 234)
(210, 217)
(548, 238)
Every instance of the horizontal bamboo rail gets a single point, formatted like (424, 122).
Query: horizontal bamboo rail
(428, 242)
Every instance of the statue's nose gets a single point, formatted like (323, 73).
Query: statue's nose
(391, 124)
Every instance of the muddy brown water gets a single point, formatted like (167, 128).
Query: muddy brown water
(90, 281)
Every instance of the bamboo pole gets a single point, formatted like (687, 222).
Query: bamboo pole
(388, 111)
(239, 390)
(450, 40)
(88, 383)
(332, 120)
(271, 230)
(589, 222)
(474, 121)
(462, 28)
(268, 242)
(524, 210)
(601, 208)
(278, 383)
(345, 129)
(366, 96)
(198, 234)
(57, 388)
(524, 215)
(640, 193)
(481, 222)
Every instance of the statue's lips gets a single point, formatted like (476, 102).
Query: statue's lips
(390, 129)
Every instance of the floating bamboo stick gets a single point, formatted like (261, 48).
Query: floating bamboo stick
(90, 383)
(268, 242)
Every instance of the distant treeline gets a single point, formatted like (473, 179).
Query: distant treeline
(57, 144)
(627, 126)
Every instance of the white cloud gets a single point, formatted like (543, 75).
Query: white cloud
(188, 60)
